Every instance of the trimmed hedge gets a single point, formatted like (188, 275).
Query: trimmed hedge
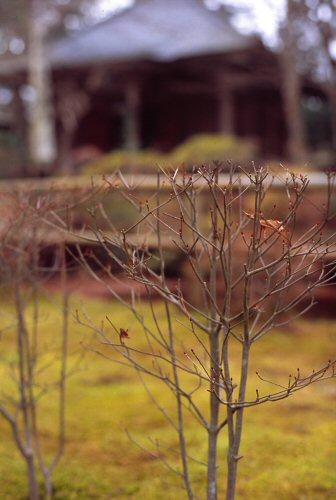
(196, 150)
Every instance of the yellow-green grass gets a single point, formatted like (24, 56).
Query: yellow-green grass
(289, 447)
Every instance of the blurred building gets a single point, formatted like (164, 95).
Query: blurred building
(159, 72)
(164, 70)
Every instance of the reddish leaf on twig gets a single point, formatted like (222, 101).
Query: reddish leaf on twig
(123, 334)
(274, 224)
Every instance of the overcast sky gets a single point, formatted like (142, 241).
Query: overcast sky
(265, 13)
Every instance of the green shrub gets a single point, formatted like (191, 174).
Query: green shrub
(198, 149)
(142, 161)
(206, 148)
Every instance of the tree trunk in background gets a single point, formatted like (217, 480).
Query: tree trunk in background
(291, 88)
(42, 142)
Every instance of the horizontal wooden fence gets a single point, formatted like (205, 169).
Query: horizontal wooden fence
(141, 183)
(144, 182)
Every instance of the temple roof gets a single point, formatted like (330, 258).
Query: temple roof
(159, 30)
(154, 30)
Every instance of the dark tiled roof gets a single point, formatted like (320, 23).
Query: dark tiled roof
(159, 30)
(155, 30)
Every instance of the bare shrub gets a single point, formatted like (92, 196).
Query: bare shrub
(251, 271)
(36, 369)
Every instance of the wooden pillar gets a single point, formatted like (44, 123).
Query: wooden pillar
(225, 110)
(132, 132)
(73, 103)
(18, 127)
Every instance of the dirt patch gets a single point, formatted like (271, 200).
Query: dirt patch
(106, 379)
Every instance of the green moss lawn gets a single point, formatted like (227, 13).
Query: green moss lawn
(289, 447)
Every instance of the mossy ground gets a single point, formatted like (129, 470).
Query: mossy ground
(289, 448)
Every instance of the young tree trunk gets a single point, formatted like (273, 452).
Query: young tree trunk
(213, 429)
(48, 485)
(234, 446)
(32, 479)
(42, 142)
(214, 370)
(291, 89)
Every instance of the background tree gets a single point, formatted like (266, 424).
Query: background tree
(303, 34)
(317, 41)
(25, 27)
(292, 83)
(41, 132)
